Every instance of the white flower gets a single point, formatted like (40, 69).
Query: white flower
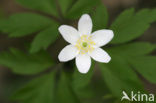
(84, 44)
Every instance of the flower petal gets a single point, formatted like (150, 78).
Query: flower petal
(69, 33)
(68, 53)
(83, 63)
(102, 37)
(100, 55)
(85, 25)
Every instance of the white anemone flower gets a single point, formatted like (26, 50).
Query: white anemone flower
(84, 45)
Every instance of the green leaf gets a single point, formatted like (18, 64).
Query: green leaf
(44, 39)
(134, 54)
(81, 7)
(39, 90)
(99, 23)
(22, 63)
(65, 93)
(123, 17)
(47, 6)
(119, 76)
(132, 49)
(24, 24)
(145, 13)
(145, 65)
(128, 26)
(65, 5)
(112, 81)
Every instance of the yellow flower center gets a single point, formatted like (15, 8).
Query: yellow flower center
(85, 44)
